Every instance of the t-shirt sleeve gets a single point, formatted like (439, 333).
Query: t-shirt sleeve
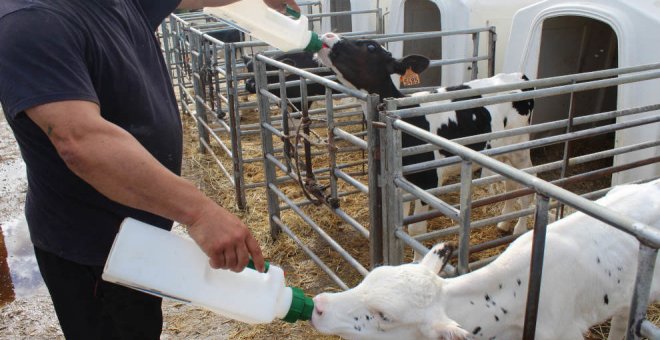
(42, 60)
(157, 10)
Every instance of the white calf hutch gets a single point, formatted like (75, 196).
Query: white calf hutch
(554, 38)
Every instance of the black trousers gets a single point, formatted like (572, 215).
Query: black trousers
(90, 308)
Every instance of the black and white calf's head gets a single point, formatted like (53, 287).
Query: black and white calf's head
(365, 64)
(392, 302)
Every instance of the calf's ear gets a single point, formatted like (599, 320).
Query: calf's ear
(436, 259)
(415, 62)
(446, 330)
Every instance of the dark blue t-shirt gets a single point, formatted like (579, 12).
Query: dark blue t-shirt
(103, 51)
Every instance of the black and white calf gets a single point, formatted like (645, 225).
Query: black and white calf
(588, 277)
(367, 66)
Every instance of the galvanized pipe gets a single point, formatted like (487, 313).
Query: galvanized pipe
(644, 233)
(327, 238)
(311, 254)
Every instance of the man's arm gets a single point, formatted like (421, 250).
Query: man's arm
(278, 5)
(115, 163)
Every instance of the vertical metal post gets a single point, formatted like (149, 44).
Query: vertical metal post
(375, 187)
(567, 149)
(475, 54)
(380, 18)
(235, 130)
(178, 61)
(536, 266)
(284, 112)
(200, 110)
(464, 231)
(217, 100)
(306, 121)
(166, 46)
(392, 168)
(492, 40)
(640, 299)
(235, 114)
(267, 146)
(332, 148)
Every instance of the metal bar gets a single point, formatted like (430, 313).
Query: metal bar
(492, 39)
(649, 330)
(390, 142)
(224, 170)
(310, 253)
(475, 53)
(534, 143)
(592, 118)
(267, 149)
(327, 238)
(350, 138)
(644, 233)
(201, 116)
(537, 83)
(352, 222)
(431, 200)
(235, 131)
(464, 218)
(536, 267)
(640, 298)
(332, 147)
(352, 181)
(544, 167)
(375, 191)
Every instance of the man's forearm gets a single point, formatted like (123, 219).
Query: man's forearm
(115, 163)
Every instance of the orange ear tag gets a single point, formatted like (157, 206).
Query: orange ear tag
(409, 78)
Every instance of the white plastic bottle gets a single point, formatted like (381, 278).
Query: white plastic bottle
(162, 263)
(270, 26)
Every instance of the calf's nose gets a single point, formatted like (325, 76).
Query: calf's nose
(319, 301)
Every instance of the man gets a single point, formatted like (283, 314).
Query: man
(85, 89)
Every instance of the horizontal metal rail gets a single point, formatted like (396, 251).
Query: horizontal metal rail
(536, 83)
(319, 231)
(531, 94)
(647, 235)
(310, 253)
(542, 127)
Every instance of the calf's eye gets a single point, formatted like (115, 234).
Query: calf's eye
(371, 47)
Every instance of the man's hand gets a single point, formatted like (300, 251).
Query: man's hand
(225, 239)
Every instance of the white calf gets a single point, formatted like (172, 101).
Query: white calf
(588, 275)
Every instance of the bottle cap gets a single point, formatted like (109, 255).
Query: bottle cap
(251, 265)
(301, 308)
(315, 43)
(292, 12)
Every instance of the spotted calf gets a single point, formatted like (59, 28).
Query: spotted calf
(588, 277)
(367, 66)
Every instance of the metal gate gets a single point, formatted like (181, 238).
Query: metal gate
(398, 189)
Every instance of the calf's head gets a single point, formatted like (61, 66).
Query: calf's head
(400, 302)
(365, 64)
